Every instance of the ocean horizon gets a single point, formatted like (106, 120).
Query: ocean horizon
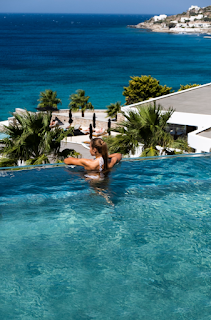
(94, 52)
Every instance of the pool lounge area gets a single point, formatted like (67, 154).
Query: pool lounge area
(134, 246)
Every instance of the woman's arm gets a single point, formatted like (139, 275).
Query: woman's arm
(115, 157)
(86, 163)
(75, 161)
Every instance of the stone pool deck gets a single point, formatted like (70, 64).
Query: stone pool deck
(101, 118)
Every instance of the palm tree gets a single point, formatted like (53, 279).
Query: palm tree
(31, 139)
(48, 99)
(123, 143)
(146, 126)
(5, 162)
(113, 109)
(80, 101)
(181, 144)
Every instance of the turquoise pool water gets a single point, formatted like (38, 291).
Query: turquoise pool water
(3, 135)
(138, 246)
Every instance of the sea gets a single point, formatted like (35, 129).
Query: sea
(96, 53)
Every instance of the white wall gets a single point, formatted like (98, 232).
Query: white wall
(196, 8)
(138, 152)
(201, 121)
(160, 17)
(201, 144)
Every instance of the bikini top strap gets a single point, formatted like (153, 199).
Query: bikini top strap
(101, 163)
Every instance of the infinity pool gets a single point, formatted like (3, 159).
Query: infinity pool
(136, 246)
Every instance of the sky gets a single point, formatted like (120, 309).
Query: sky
(100, 6)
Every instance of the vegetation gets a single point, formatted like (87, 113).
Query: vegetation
(188, 86)
(48, 98)
(113, 109)
(206, 9)
(181, 144)
(158, 21)
(171, 25)
(5, 162)
(68, 153)
(146, 126)
(80, 101)
(143, 88)
(124, 142)
(31, 139)
(193, 13)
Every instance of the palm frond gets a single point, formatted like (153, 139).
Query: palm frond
(144, 125)
(30, 137)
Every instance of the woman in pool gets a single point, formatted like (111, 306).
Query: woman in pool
(102, 161)
(98, 168)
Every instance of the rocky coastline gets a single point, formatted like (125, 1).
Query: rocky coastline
(194, 20)
(157, 28)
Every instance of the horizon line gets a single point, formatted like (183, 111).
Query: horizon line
(98, 13)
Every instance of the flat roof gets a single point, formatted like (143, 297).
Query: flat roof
(190, 101)
(194, 100)
(205, 133)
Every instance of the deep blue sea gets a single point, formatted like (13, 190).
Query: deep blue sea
(97, 53)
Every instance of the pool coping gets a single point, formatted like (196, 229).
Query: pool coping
(53, 165)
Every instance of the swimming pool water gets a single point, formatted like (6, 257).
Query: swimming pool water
(137, 246)
(3, 135)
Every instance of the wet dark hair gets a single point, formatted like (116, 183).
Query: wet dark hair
(101, 147)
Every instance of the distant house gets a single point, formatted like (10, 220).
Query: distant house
(160, 17)
(194, 8)
(192, 113)
(192, 18)
(199, 25)
(183, 19)
(179, 26)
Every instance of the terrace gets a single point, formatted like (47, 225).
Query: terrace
(192, 109)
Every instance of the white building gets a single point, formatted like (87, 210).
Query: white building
(192, 110)
(160, 17)
(196, 8)
(192, 18)
(180, 25)
(183, 19)
(199, 25)
(200, 16)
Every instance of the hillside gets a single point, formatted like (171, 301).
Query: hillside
(194, 20)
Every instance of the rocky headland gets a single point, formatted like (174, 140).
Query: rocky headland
(194, 20)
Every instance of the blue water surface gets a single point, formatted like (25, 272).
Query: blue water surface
(3, 135)
(97, 53)
(135, 246)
